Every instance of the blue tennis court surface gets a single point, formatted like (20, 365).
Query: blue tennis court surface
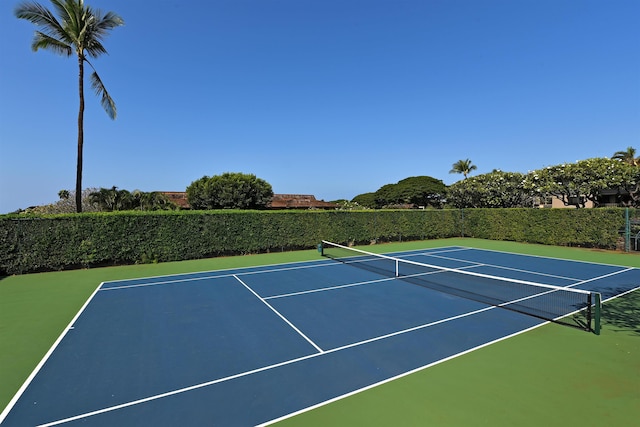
(250, 346)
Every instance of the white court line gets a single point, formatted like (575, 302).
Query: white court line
(621, 295)
(349, 285)
(437, 251)
(426, 252)
(280, 315)
(315, 263)
(578, 281)
(550, 257)
(413, 371)
(265, 368)
(266, 266)
(519, 270)
(371, 386)
(44, 359)
(213, 274)
(320, 264)
(601, 277)
(330, 288)
(573, 285)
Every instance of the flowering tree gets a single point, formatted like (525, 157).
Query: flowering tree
(582, 181)
(491, 190)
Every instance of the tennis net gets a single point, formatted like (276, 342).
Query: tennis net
(573, 307)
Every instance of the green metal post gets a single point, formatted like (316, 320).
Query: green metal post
(597, 313)
(627, 231)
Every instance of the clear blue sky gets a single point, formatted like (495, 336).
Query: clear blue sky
(327, 97)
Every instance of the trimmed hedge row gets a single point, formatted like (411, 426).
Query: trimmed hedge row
(31, 244)
(591, 228)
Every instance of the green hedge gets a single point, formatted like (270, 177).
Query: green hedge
(592, 228)
(30, 244)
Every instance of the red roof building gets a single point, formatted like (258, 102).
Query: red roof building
(179, 198)
(279, 201)
(299, 201)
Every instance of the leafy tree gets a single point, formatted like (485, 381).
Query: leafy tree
(231, 190)
(629, 191)
(465, 167)
(368, 200)
(199, 194)
(491, 190)
(585, 180)
(78, 29)
(112, 199)
(414, 191)
(628, 156)
(388, 196)
(421, 191)
(152, 201)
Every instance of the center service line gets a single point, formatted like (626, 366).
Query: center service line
(280, 315)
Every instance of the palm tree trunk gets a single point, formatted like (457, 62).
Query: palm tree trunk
(80, 134)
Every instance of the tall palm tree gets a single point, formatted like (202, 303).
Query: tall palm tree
(464, 167)
(628, 156)
(78, 29)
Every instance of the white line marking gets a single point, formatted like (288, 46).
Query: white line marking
(44, 359)
(213, 274)
(535, 273)
(280, 315)
(323, 263)
(320, 264)
(421, 368)
(375, 257)
(621, 295)
(330, 288)
(214, 271)
(254, 371)
(388, 380)
(549, 257)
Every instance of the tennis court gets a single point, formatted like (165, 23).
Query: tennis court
(250, 346)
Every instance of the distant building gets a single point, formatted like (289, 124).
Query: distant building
(299, 201)
(179, 198)
(615, 197)
(279, 201)
(556, 203)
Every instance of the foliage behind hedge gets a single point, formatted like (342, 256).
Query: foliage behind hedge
(592, 228)
(30, 244)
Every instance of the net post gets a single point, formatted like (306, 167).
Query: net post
(627, 231)
(597, 312)
(321, 248)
